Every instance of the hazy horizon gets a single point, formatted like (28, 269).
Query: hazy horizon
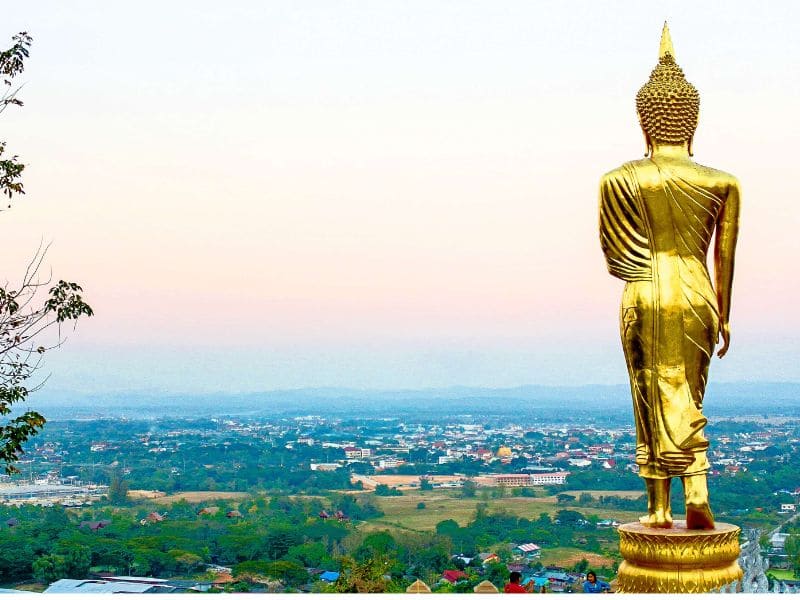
(449, 389)
(529, 402)
(379, 196)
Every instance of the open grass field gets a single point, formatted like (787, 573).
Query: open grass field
(781, 573)
(567, 557)
(401, 511)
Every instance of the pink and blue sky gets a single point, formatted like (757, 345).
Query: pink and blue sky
(264, 195)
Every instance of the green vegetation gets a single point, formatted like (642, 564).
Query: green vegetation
(384, 490)
(279, 539)
(246, 493)
(276, 538)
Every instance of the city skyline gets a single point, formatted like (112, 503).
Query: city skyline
(373, 196)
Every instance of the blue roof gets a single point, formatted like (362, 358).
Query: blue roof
(329, 576)
(557, 575)
(537, 581)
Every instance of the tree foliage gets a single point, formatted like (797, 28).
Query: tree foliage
(384, 490)
(12, 63)
(369, 576)
(117, 489)
(31, 307)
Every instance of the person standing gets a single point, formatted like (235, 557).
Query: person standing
(593, 586)
(513, 586)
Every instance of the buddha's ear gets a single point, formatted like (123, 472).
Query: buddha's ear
(648, 147)
(648, 144)
(689, 145)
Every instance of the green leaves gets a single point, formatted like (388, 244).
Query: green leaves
(14, 434)
(66, 302)
(24, 317)
(49, 568)
(12, 61)
(10, 171)
(8, 302)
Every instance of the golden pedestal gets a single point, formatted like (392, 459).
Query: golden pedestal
(677, 560)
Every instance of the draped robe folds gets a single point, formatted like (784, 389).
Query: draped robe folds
(655, 230)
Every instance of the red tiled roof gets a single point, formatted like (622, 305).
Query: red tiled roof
(452, 576)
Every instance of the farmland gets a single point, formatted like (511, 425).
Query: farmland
(403, 512)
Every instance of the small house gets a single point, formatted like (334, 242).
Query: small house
(453, 575)
(528, 551)
(330, 576)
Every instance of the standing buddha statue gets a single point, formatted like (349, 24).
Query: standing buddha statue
(657, 218)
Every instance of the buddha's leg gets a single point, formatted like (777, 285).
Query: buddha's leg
(700, 324)
(663, 508)
(698, 510)
(659, 513)
(636, 326)
(651, 501)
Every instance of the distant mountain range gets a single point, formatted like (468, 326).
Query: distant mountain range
(722, 399)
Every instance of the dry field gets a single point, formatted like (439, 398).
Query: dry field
(616, 493)
(197, 497)
(402, 481)
(145, 494)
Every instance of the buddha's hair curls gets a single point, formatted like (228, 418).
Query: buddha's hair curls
(668, 105)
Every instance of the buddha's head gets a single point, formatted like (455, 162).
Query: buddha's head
(668, 105)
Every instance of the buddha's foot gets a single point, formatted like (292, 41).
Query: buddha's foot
(657, 519)
(698, 516)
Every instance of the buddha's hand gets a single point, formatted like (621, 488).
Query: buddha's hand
(725, 334)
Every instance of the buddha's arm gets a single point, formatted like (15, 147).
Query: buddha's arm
(724, 252)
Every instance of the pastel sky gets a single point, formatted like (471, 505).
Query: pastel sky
(262, 195)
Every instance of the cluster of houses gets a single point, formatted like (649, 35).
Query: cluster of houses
(541, 458)
(551, 579)
(327, 443)
(337, 515)
(544, 455)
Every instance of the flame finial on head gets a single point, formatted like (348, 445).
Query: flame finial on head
(666, 43)
(667, 104)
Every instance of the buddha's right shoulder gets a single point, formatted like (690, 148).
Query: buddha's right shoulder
(721, 179)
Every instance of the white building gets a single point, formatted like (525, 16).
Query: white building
(324, 466)
(557, 478)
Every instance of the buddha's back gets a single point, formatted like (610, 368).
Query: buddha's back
(681, 202)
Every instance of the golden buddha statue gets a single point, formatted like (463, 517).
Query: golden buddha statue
(657, 218)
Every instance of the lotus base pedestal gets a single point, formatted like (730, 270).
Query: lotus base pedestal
(678, 560)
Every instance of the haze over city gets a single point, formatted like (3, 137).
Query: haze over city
(374, 195)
